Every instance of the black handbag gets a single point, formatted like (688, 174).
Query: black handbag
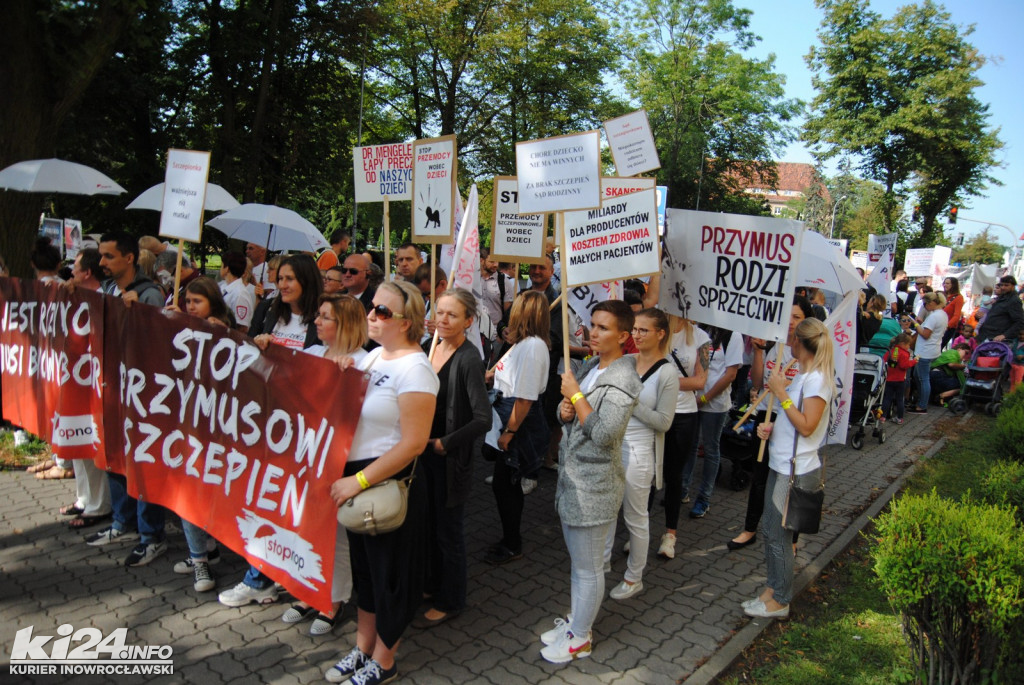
(802, 511)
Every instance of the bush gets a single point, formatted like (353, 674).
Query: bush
(1010, 426)
(1004, 485)
(954, 572)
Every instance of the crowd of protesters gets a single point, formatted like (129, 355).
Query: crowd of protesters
(644, 395)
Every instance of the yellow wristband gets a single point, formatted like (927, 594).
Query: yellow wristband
(787, 404)
(704, 399)
(576, 398)
(363, 483)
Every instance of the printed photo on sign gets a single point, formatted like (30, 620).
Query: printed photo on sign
(381, 171)
(515, 237)
(184, 194)
(559, 174)
(434, 169)
(617, 241)
(733, 271)
(632, 144)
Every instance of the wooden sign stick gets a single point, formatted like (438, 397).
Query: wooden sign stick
(177, 271)
(771, 405)
(753, 405)
(387, 240)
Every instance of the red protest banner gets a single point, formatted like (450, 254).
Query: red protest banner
(241, 442)
(50, 353)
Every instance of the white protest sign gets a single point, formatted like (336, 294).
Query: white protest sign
(72, 238)
(842, 327)
(733, 271)
(878, 244)
(434, 168)
(881, 275)
(926, 261)
(662, 206)
(381, 171)
(515, 237)
(616, 186)
(859, 258)
(184, 194)
(559, 174)
(617, 241)
(583, 298)
(632, 144)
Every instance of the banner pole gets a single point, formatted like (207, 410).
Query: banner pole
(564, 295)
(771, 401)
(177, 271)
(433, 278)
(387, 239)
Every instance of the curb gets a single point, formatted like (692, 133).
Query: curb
(724, 657)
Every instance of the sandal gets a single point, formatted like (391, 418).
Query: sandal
(55, 473)
(72, 510)
(41, 466)
(80, 522)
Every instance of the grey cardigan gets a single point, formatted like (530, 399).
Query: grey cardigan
(591, 480)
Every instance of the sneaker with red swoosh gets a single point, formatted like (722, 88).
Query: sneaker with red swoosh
(567, 648)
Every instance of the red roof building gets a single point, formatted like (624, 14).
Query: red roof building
(795, 181)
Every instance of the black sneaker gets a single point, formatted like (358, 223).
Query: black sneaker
(347, 667)
(145, 553)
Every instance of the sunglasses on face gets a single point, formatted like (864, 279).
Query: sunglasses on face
(352, 272)
(383, 313)
(331, 280)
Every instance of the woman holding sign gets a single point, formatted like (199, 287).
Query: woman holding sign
(795, 436)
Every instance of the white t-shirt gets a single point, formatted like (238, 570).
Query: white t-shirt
(686, 403)
(523, 371)
(932, 347)
(291, 334)
(770, 360)
(321, 350)
(812, 384)
(638, 433)
(241, 301)
(379, 426)
(722, 359)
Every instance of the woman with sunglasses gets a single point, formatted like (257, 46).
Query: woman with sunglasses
(341, 328)
(520, 378)
(461, 419)
(394, 428)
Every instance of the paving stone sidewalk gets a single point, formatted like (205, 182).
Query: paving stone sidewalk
(689, 608)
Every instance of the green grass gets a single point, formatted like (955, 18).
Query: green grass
(12, 457)
(844, 630)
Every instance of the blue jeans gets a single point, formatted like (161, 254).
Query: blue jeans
(711, 425)
(130, 513)
(778, 542)
(256, 580)
(197, 540)
(586, 552)
(924, 382)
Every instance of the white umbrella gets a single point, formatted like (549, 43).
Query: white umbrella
(57, 176)
(272, 227)
(822, 265)
(217, 199)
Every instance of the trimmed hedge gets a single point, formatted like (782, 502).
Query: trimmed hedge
(1004, 485)
(955, 572)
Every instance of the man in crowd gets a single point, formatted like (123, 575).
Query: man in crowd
(240, 298)
(498, 291)
(356, 279)
(1005, 318)
(119, 253)
(257, 254)
(407, 260)
(334, 280)
(339, 241)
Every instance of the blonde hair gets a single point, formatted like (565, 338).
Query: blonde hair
(678, 323)
(814, 337)
(413, 308)
(351, 333)
(529, 316)
(463, 297)
(934, 298)
(147, 263)
(661, 323)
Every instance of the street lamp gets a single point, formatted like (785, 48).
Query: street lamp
(834, 208)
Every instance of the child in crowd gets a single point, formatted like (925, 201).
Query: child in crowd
(966, 336)
(898, 359)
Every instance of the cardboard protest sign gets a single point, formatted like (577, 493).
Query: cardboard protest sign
(926, 261)
(515, 237)
(381, 171)
(559, 174)
(51, 352)
(732, 271)
(878, 244)
(632, 143)
(617, 241)
(434, 171)
(616, 186)
(583, 298)
(859, 258)
(842, 326)
(184, 194)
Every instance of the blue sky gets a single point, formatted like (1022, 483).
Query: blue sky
(788, 28)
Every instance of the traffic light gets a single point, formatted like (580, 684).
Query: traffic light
(916, 213)
(960, 239)
(952, 214)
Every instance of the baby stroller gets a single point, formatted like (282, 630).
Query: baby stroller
(866, 402)
(986, 372)
(740, 448)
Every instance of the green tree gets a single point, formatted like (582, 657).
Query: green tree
(899, 94)
(719, 117)
(979, 249)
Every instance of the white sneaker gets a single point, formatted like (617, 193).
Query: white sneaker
(561, 627)
(568, 648)
(528, 485)
(108, 535)
(668, 546)
(624, 590)
(488, 480)
(203, 580)
(145, 553)
(242, 594)
(625, 547)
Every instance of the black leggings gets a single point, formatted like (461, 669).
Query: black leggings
(678, 444)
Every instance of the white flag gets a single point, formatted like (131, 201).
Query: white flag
(465, 266)
(842, 326)
(447, 255)
(882, 274)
